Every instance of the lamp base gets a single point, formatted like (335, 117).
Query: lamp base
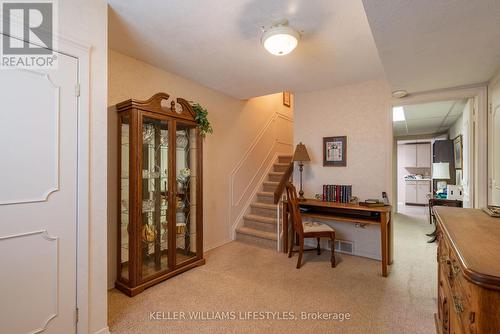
(301, 197)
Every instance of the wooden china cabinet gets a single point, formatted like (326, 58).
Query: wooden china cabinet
(160, 208)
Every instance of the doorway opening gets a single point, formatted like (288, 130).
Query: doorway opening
(434, 154)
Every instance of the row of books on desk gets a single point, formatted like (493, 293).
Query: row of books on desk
(337, 193)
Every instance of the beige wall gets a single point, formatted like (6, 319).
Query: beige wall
(362, 113)
(236, 125)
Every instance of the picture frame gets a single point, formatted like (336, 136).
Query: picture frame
(458, 152)
(335, 151)
(287, 99)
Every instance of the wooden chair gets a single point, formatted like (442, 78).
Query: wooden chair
(306, 230)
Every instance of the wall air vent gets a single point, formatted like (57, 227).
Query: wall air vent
(343, 246)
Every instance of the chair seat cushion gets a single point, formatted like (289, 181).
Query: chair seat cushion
(316, 227)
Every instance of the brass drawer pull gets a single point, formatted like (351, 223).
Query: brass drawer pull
(444, 259)
(455, 269)
(459, 308)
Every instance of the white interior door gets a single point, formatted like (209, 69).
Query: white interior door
(494, 144)
(38, 199)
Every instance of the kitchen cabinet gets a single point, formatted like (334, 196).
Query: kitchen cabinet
(417, 155)
(410, 155)
(423, 189)
(411, 192)
(416, 191)
(423, 155)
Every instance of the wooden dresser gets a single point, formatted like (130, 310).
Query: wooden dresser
(468, 258)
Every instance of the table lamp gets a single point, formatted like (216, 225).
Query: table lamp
(301, 156)
(441, 171)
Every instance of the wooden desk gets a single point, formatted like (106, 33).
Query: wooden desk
(349, 213)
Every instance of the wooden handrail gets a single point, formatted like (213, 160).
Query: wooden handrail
(281, 186)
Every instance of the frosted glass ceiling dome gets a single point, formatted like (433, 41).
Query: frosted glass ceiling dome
(280, 39)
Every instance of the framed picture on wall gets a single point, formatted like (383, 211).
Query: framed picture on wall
(457, 149)
(335, 151)
(286, 99)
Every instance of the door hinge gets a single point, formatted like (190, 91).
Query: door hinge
(77, 90)
(77, 316)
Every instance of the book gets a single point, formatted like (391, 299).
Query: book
(337, 193)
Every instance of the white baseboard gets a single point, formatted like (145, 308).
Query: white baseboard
(105, 330)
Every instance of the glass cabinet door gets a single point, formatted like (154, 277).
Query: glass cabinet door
(153, 226)
(185, 201)
(124, 196)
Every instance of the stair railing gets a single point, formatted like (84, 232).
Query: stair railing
(279, 197)
(281, 186)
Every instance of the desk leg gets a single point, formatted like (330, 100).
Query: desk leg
(390, 242)
(384, 243)
(285, 227)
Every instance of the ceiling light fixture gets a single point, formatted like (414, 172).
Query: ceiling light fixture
(280, 39)
(399, 93)
(398, 114)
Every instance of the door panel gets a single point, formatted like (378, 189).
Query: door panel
(38, 199)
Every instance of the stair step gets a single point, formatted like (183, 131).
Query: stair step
(270, 185)
(275, 176)
(263, 206)
(265, 197)
(285, 158)
(260, 219)
(260, 223)
(263, 209)
(257, 233)
(280, 167)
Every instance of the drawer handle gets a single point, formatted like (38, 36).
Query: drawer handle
(444, 259)
(455, 269)
(459, 308)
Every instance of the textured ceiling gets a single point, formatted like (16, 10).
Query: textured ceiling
(432, 44)
(429, 118)
(217, 43)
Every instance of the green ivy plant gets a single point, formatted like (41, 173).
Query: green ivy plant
(202, 120)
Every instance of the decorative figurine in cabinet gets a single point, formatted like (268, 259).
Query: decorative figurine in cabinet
(160, 230)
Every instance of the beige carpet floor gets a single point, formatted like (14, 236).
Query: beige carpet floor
(243, 278)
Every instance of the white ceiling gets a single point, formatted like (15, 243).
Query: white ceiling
(429, 118)
(433, 44)
(217, 43)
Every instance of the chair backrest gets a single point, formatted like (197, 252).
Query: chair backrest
(293, 208)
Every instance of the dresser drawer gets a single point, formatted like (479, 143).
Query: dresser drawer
(462, 299)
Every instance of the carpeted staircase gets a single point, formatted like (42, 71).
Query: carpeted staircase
(259, 225)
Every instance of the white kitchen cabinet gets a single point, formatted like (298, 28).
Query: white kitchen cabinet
(416, 191)
(423, 155)
(410, 155)
(411, 192)
(417, 155)
(423, 189)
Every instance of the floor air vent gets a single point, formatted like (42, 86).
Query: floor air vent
(343, 246)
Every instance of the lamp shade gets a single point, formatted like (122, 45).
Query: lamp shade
(441, 170)
(301, 153)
